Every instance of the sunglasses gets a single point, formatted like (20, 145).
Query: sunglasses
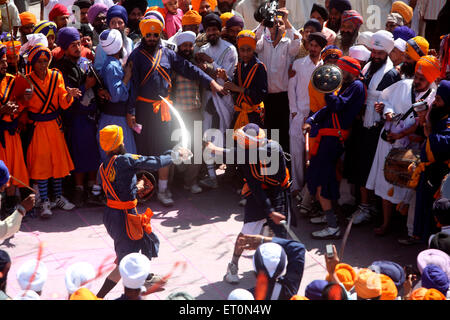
(152, 35)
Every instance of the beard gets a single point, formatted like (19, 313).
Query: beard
(347, 38)
(376, 65)
(335, 26)
(149, 46)
(187, 54)
(224, 7)
(437, 113)
(100, 28)
(213, 40)
(408, 69)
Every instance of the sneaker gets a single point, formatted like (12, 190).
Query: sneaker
(96, 200)
(194, 189)
(327, 233)
(45, 209)
(232, 274)
(164, 198)
(78, 198)
(409, 241)
(169, 193)
(209, 182)
(361, 215)
(62, 203)
(243, 202)
(319, 220)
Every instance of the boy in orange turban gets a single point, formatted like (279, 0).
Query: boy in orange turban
(28, 20)
(130, 230)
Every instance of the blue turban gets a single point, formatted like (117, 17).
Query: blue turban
(404, 33)
(2, 50)
(4, 174)
(313, 23)
(4, 259)
(434, 277)
(391, 269)
(66, 36)
(314, 290)
(117, 11)
(340, 5)
(444, 91)
(235, 21)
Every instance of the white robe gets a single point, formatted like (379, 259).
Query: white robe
(225, 56)
(299, 102)
(371, 116)
(397, 100)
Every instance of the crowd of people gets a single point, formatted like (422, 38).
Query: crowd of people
(87, 96)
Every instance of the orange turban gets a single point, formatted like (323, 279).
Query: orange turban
(9, 47)
(191, 17)
(368, 284)
(150, 26)
(427, 294)
(196, 4)
(83, 294)
(246, 37)
(430, 67)
(434, 294)
(111, 137)
(404, 10)
(417, 47)
(345, 274)
(225, 17)
(388, 288)
(27, 18)
(297, 297)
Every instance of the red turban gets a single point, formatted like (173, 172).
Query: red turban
(57, 11)
(350, 65)
(353, 16)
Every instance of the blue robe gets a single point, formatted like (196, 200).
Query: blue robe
(437, 146)
(256, 91)
(155, 137)
(124, 184)
(347, 105)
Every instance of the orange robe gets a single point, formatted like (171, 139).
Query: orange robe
(47, 155)
(11, 153)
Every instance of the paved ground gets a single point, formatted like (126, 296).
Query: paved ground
(199, 230)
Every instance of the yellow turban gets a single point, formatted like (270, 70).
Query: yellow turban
(345, 274)
(368, 284)
(83, 294)
(196, 4)
(111, 137)
(246, 37)
(9, 47)
(430, 67)
(388, 288)
(404, 10)
(225, 16)
(150, 26)
(191, 17)
(417, 47)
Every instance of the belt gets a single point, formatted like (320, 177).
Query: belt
(43, 117)
(121, 205)
(158, 105)
(11, 127)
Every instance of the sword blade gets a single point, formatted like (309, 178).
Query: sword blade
(344, 239)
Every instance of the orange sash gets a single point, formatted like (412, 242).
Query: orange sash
(159, 105)
(336, 131)
(155, 66)
(136, 224)
(243, 103)
(266, 181)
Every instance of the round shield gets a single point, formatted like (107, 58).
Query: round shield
(327, 78)
(146, 183)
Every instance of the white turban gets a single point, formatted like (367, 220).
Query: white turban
(364, 38)
(240, 294)
(382, 40)
(27, 295)
(186, 36)
(111, 41)
(77, 275)
(32, 40)
(271, 257)
(134, 269)
(27, 270)
(400, 44)
(360, 53)
(395, 18)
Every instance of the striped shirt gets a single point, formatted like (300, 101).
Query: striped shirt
(430, 8)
